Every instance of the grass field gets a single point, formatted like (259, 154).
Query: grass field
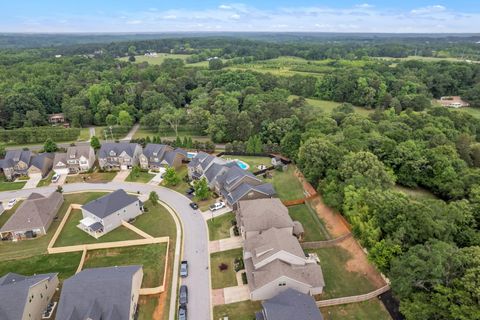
(219, 228)
(7, 186)
(473, 111)
(314, 229)
(226, 278)
(146, 306)
(371, 309)
(339, 282)
(8, 213)
(328, 106)
(253, 162)
(141, 176)
(158, 59)
(92, 177)
(151, 257)
(244, 310)
(157, 222)
(415, 193)
(286, 184)
(427, 59)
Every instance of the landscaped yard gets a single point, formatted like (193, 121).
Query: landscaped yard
(244, 310)
(92, 177)
(47, 180)
(339, 282)
(64, 263)
(253, 162)
(141, 176)
(225, 278)
(72, 235)
(8, 213)
(7, 186)
(286, 184)
(371, 309)
(151, 256)
(182, 185)
(314, 229)
(157, 222)
(219, 228)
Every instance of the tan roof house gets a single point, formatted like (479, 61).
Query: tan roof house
(76, 159)
(40, 165)
(33, 217)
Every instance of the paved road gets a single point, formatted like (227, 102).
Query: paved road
(195, 248)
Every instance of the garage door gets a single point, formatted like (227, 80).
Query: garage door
(61, 171)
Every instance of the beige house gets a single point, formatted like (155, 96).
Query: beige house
(101, 293)
(156, 156)
(119, 156)
(26, 297)
(77, 159)
(40, 165)
(25, 163)
(453, 102)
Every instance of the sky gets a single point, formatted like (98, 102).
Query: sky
(400, 16)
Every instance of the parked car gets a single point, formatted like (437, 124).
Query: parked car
(183, 298)
(182, 312)
(11, 203)
(55, 178)
(217, 206)
(193, 205)
(190, 190)
(184, 269)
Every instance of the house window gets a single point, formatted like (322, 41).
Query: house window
(282, 284)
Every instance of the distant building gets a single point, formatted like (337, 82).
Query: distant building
(453, 102)
(101, 293)
(56, 118)
(26, 297)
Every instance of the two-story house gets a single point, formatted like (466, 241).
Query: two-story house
(16, 163)
(77, 159)
(156, 156)
(119, 156)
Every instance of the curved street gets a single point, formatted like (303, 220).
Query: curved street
(195, 238)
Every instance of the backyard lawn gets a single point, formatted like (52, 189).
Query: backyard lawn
(314, 228)
(253, 162)
(182, 186)
(92, 177)
(339, 282)
(140, 176)
(219, 228)
(371, 309)
(286, 184)
(226, 278)
(151, 256)
(64, 263)
(157, 222)
(244, 310)
(146, 306)
(8, 213)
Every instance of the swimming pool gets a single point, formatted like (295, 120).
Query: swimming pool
(242, 164)
(191, 155)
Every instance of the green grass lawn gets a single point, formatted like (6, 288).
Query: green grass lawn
(339, 282)
(146, 306)
(141, 176)
(157, 222)
(314, 229)
(473, 111)
(28, 248)
(226, 278)
(8, 213)
(158, 59)
(47, 180)
(182, 186)
(151, 256)
(64, 263)
(371, 309)
(84, 134)
(286, 184)
(328, 106)
(253, 162)
(7, 186)
(72, 235)
(92, 177)
(244, 310)
(415, 193)
(219, 228)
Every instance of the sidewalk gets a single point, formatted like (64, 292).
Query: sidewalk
(121, 176)
(207, 215)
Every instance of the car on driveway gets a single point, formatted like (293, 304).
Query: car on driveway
(217, 206)
(55, 178)
(11, 203)
(183, 297)
(182, 312)
(184, 269)
(193, 205)
(190, 190)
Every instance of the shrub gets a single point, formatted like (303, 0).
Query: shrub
(223, 267)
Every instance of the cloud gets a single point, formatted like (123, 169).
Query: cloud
(170, 17)
(428, 10)
(224, 7)
(364, 6)
(134, 22)
(235, 16)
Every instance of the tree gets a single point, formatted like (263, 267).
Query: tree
(2, 150)
(153, 198)
(131, 58)
(172, 117)
(202, 191)
(50, 146)
(124, 119)
(215, 64)
(111, 120)
(171, 177)
(95, 143)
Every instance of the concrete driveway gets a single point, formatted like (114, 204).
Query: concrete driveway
(33, 181)
(195, 238)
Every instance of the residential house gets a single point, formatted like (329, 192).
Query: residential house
(106, 213)
(289, 304)
(200, 163)
(16, 163)
(77, 159)
(453, 102)
(275, 261)
(56, 118)
(26, 297)
(119, 156)
(33, 217)
(101, 293)
(156, 156)
(40, 165)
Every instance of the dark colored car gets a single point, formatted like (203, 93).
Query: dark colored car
(184, 269)
(183, 298)
(190, 190)
(194, 205)
(182, 312)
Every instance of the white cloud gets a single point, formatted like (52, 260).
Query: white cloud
(224, 7)
(235, 16)
(428, 10)
(170, 17)
(364, 6)
(134, 22)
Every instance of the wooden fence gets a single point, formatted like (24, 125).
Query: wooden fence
(353, 299)
(325, 243)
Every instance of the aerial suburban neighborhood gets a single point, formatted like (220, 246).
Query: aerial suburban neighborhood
(212, 160)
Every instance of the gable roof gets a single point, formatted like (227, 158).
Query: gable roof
(35, 212)
(291, 304)
(118, 148)
(244, 188)
(14, 293)
(75, 152)
(162, 152)
(263, 214)
(110, 203)
(38, 161)
(60, 157)
(98, 293)
(12, 157)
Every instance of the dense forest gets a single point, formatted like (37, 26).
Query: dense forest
(429, 248)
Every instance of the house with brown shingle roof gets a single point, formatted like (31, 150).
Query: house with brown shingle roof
(33, 217)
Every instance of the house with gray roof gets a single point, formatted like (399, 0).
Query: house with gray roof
(106, 213)
(101, 293)
(33, 217)
(26, 297)
(119, 156)
(77, 159)
(40, 165)
(16, 163)
(156, 156)
(289, 304)
(200, 164)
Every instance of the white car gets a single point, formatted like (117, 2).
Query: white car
(55, 177)
(11, 203)
(217, 206)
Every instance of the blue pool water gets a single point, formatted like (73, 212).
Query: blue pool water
(242, 164)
